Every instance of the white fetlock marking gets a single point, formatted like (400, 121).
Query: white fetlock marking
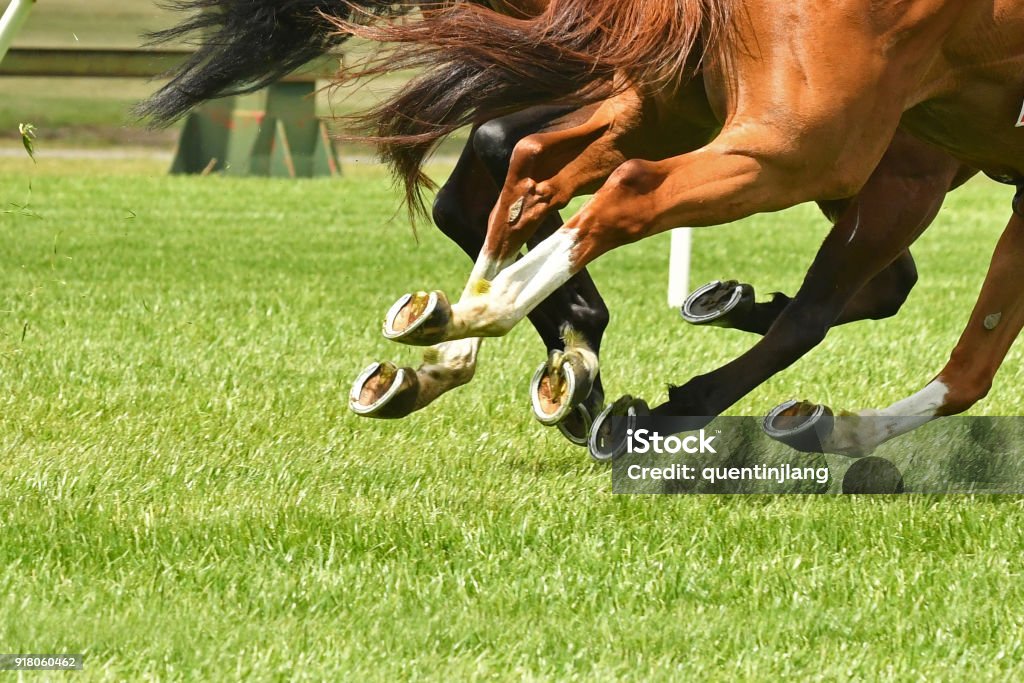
(518, 289)
(449, 365)
(484, 271)
(858, 437)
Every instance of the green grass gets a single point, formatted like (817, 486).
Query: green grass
(183, 494)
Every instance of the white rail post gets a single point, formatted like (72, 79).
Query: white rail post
(679, 266)
(11, 22)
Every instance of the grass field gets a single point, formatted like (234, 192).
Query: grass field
(183, 494)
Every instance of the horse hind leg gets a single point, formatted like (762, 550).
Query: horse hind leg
(995, 323)
(386, 391)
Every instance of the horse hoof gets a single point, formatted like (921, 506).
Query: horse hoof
(718, 304)
(609, 441)
(800, 425)
(419, 319)
(873, 475)
(576, 426)
(384, 391)
(560, 384)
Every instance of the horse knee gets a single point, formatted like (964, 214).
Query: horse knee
(494, 143)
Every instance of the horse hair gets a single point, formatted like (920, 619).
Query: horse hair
(245, 45)
(478, 65)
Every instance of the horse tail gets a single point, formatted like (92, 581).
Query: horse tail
(477, 65)
(245, 45)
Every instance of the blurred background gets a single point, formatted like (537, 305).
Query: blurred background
(83, 111)
(96, 113)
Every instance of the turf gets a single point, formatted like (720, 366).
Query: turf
(183, 494)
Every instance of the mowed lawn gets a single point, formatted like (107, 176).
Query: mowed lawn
(183, 494)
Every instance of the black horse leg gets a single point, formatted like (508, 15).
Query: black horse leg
(882, 297)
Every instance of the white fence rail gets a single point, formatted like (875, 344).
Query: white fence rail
(12, 21)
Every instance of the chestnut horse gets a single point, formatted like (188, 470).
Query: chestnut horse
(802, 116)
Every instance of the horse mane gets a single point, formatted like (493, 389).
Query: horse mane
(478, 64)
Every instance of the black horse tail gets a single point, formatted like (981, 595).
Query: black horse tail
(245, 45)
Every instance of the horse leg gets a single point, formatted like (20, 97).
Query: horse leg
(526, 207)
(995, 323)
(386, 391)
(566, 390)
(546, 171)
(731, 304)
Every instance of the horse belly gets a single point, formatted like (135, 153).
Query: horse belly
(980, 122)
(971, 103)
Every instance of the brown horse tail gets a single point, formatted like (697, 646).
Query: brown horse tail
(478, 65)
(245, 45)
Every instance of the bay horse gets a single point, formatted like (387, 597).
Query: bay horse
(803, 116)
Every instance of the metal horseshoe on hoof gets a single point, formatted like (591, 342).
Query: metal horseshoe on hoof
(608, 443)
(577, 425)
(384, 391)
(419, 319)
(718, 303)
(560, 384)
(800, 425)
